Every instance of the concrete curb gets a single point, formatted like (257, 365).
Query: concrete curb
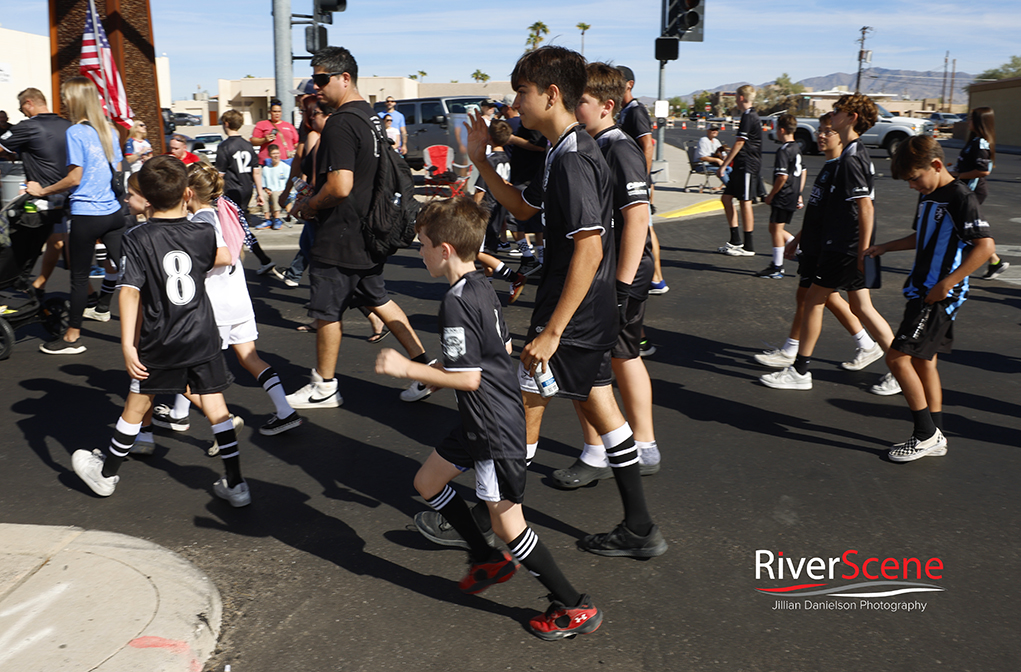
(73, 599)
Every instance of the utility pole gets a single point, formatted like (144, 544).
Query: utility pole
(943, 91)
(953, 76)
(861, 56)
(283, 66)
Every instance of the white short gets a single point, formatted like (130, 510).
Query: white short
(235, 334)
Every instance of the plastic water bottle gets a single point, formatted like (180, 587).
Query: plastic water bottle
(302, 188)
(545, 380)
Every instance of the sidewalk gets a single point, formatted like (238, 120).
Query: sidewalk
(74, 599)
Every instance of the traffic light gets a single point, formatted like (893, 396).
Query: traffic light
(323, 9)
(685, 19)
(315, 38)
(667, 48)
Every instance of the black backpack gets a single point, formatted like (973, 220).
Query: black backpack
(390, 223)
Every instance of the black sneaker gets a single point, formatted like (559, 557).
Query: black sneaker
(529, 265)
(771, 271)
(580, 474)
(623, 543)
(436, 529)
(277, 425)
(995, 270)
(59, 346)
(646, 349)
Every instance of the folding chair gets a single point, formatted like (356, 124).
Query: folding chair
(439, 172)
(697, 167)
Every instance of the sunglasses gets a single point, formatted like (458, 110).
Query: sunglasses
(321, 79)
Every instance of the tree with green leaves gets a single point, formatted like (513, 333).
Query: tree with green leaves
(583, 27)
(1011, 68)
(535, 35)
(414, 77)
(480, 76)
(701, 100)
(421, 75)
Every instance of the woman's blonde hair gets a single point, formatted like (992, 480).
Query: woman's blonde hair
(136, 130)
(205, 181)
(81, 98)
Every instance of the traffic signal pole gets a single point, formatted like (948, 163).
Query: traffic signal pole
(283, 65)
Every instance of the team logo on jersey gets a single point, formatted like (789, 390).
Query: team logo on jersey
(453, 343)
(636, 188)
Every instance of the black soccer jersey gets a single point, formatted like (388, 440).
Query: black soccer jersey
(501, 164)
(749, 159)
(627, 170)
(811, 227)
(575, 195)
(474, 338)
(237, 159)
(166, 260)
(634, 120)
(975, 156)
(525, 163)
(42, 143)
(788, 162)
(947, 221)
(853, 180)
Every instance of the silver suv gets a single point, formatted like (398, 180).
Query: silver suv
(435, 121)
(888, 133)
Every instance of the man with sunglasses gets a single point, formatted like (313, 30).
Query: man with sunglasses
(342, 273)
(398, 123)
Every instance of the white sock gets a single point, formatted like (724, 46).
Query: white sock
(787, 237)
(594, 456)
(539, 251)
(526, 249)
(778, 256)
(648, 452)
(181, 406)
(530, 449)
(864, 340)
(790, 348)
(499, 268)
(276, 392)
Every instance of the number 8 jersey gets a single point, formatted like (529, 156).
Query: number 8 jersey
(166, 260)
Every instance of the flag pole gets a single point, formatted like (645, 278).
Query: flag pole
(107, 103)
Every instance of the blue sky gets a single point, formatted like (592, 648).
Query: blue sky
(744, 40)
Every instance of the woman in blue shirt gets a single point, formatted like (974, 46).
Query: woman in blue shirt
(93, 152)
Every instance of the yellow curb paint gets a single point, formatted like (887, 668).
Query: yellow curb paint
(697, 209)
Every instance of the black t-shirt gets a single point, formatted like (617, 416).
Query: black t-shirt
(787, 162)
(347, 143)
(634, 120)
(749, 159)
(975, 156)
(237, 159)
(627, 170)
(42, 143)
(811, 227)
(853, 180)
(474, 338)
(948, 220)
(501, 164)
(167, 261)
(526, 164)
(575, 195)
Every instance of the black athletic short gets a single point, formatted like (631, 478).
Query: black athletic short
(741, 185)
(205, 378)
(576, 370)
(630, 337)
(837, 270)
(530, 225)
(936, 336)
(780, 216)
(335, 289)
(496, 479)
(807, 265)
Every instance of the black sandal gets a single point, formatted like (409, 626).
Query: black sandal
(379, 335)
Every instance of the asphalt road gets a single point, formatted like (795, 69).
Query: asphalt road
(322, 572)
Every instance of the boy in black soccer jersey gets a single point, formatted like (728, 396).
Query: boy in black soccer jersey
(633, 247)
(575, 322)
(785, 198)
(168, 332)
(746, 157)
(948, 223)
(491, 435)
(848, 228)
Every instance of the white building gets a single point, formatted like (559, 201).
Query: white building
(24, 63)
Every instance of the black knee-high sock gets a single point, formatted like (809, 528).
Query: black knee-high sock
(123, 438)
(263, 257)
(623, 459)
(529, 551)
(748, 244)
(421, 359)
(924, 426)
(106, 292)
(735, 235)
(227, 439)
(457, 513)
(937, 419)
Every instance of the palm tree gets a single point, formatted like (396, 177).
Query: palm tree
(535, 33)
(421, 75)
(480, 76)
(414, 77)
(583, 27)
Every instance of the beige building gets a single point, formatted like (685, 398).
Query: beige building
(24, 63)
(1004, 96)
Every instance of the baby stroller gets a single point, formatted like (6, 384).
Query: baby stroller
(22, 235)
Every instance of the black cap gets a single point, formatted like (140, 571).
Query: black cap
(629, 74)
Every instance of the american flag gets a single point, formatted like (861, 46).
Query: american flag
(97, 64)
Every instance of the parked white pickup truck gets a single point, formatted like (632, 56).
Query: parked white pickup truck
(887, 134)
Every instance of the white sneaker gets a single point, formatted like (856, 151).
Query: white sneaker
(735, 250)
(913, 449)
(887, 386)
(238, 496)
(417, 391)
(93, 314)
(265, 268)
(787, 379)
(316, 395)
(776, 359)
(89, 467)
(290, 283)
(143, 445)
(863, 357)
